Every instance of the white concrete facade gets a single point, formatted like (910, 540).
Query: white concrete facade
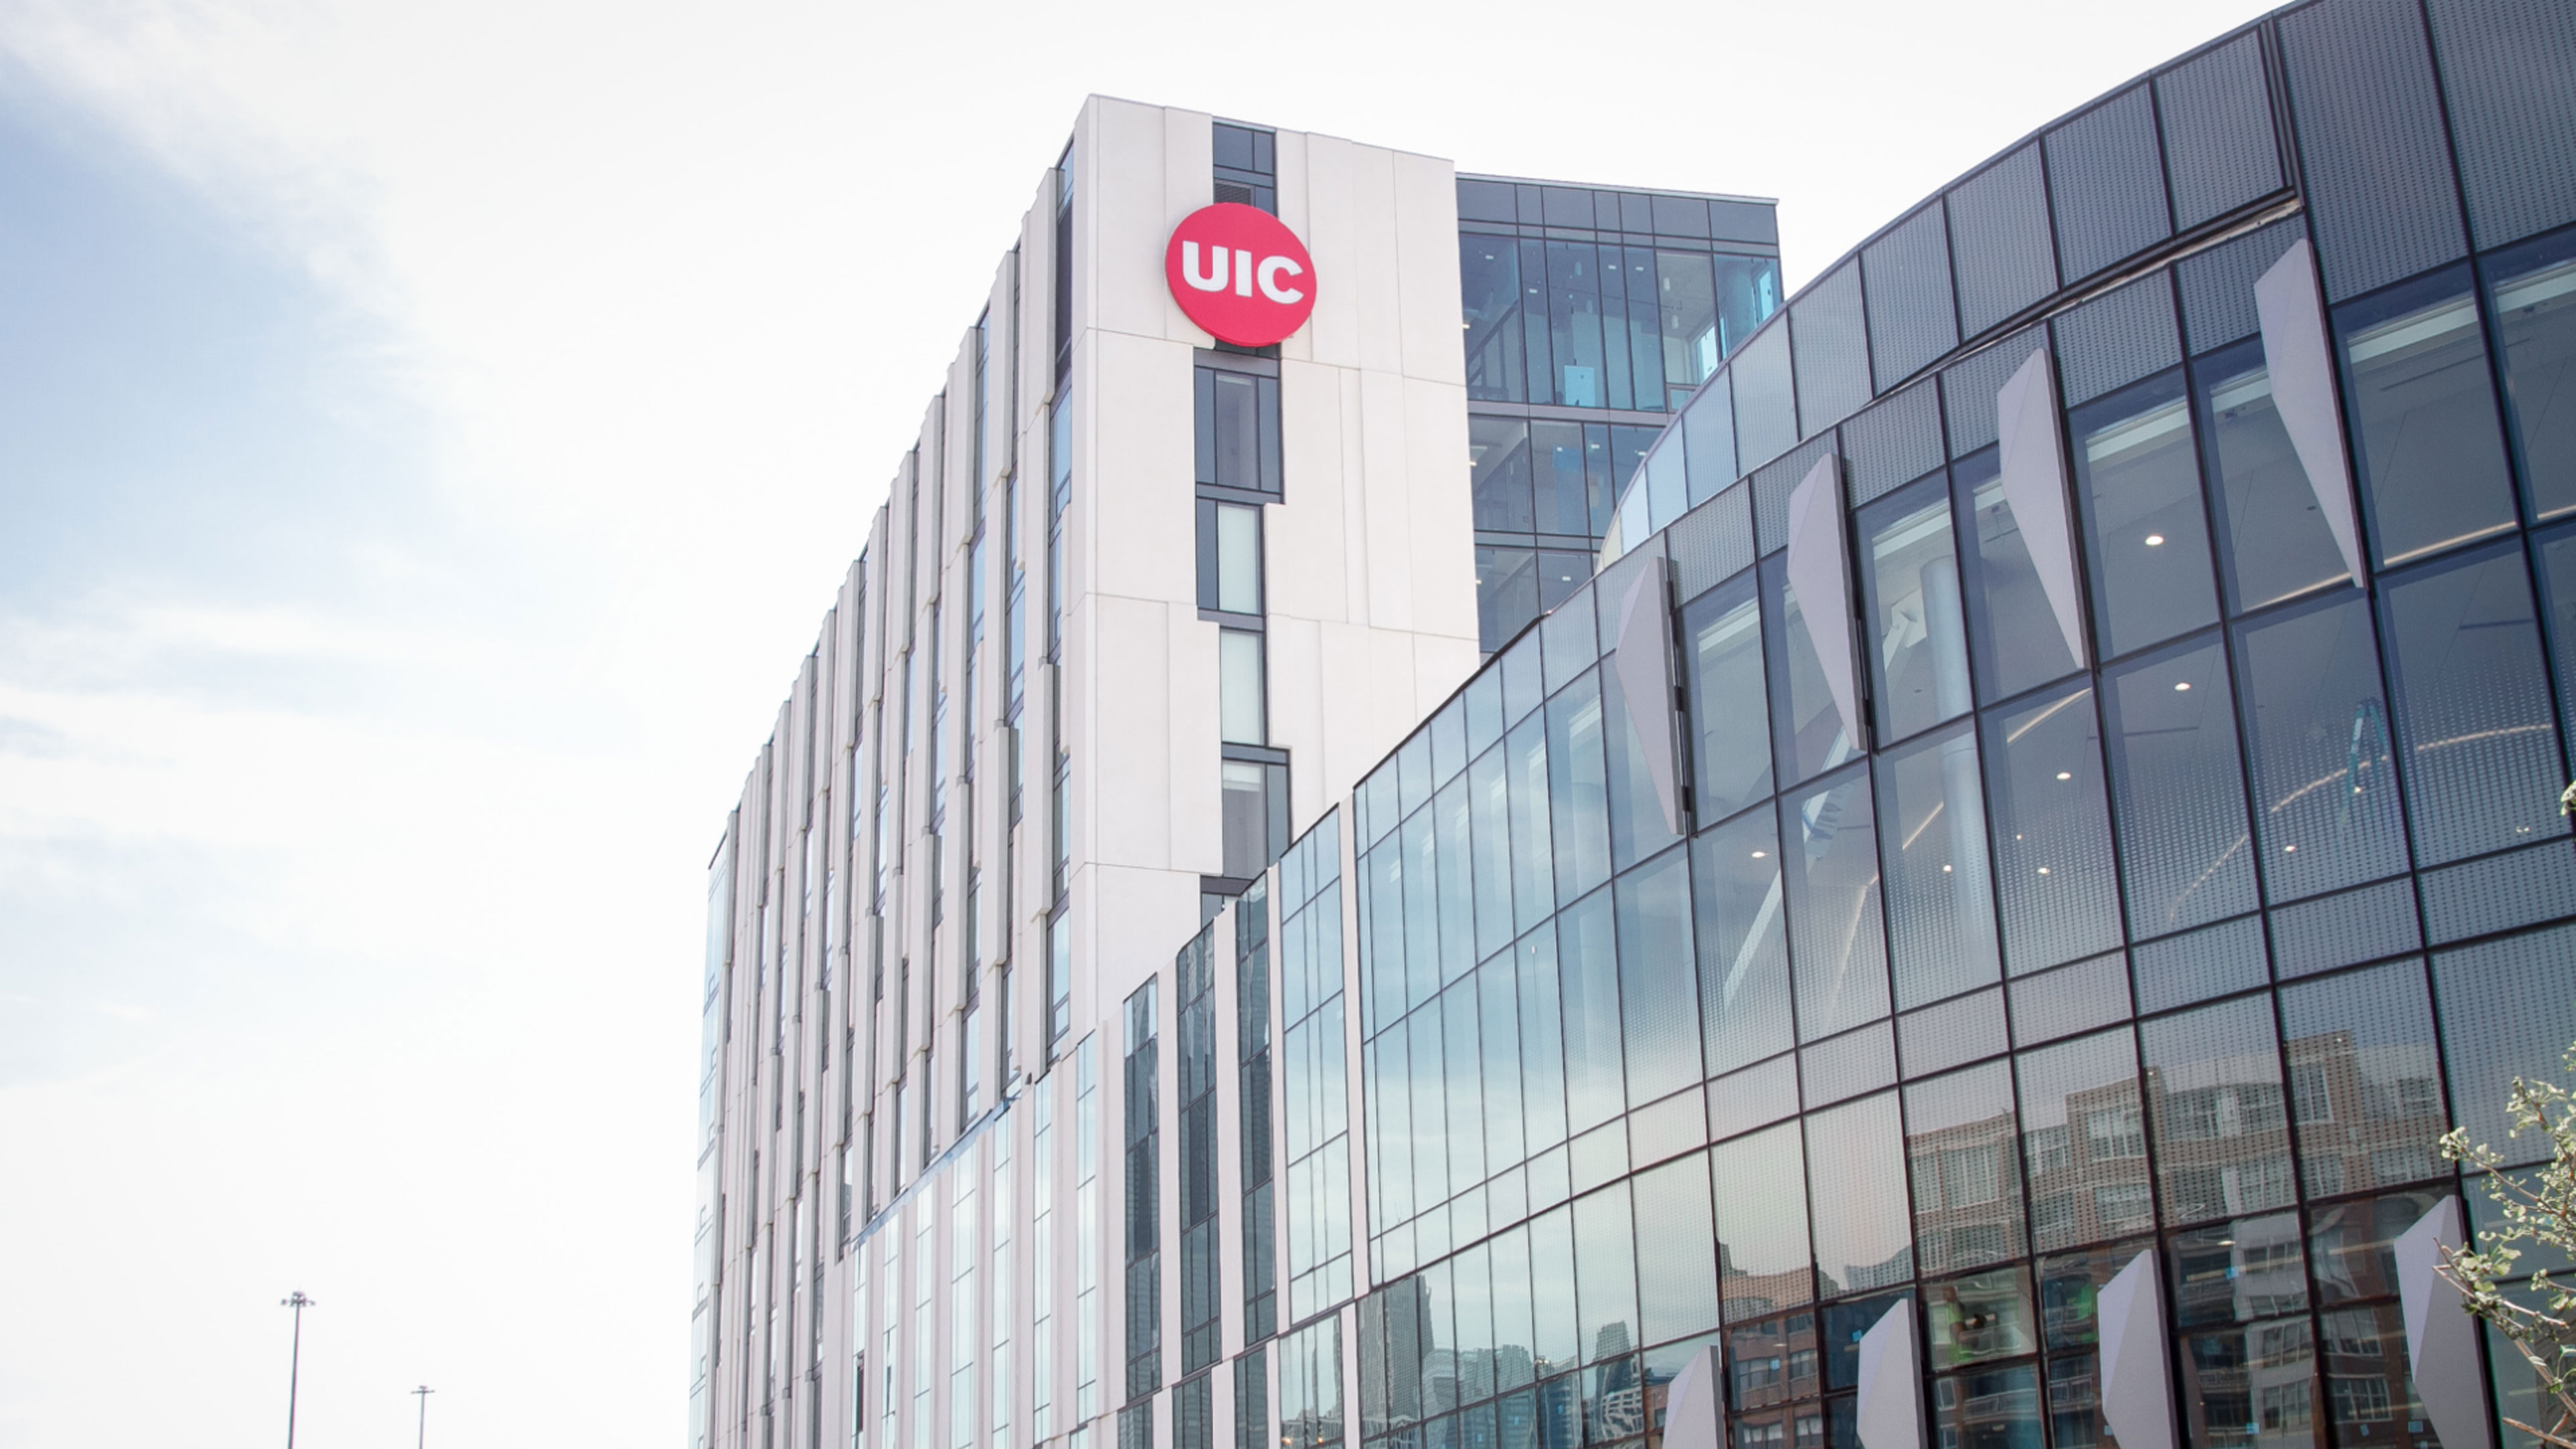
(878, 1254)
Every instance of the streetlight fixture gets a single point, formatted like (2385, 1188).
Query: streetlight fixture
(295, 1357)
(422, 1393)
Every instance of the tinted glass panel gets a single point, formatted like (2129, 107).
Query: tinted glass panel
(1580, 379)
(1638, 827)
(2219, 146)
(1498, 449)
(1964, 1143)
(1688, 294)
(1761, 1230)
(1506, 594)
(2533, 291)
(1766, 414)
(1658, 980)
(2052, 831)
(2474, 722)
(2084, 1141)
(2325, 791)
(2017, 638)
(2504, 1006)
(1743, 944)
(1917, 635)
(2273, 542)
(1489, 280)
(2423, 415)
(1807, 728)
(1911, 320)
(1730, 736)
(2145, 533)
(1577, 787)
(1566, 487)
(1542, 1041)
(2107, 184)
(1999, 240)
(1856, 1196)
(1678, 1292)
(1489, 846)
(2517, 160)
(1588, 971)
(2370, 136)
(1831, 350)
(2215, 1102)
(1834, 933)
(2181, 800)
(1940, 910)
(1533, 867)
(2365, 1086)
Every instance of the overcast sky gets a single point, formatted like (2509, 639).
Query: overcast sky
(429, 436)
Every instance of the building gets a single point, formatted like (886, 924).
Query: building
(1961, 929)
(1074, 690)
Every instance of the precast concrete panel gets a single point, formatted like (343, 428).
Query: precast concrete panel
(1132, 729)
(1332, 237)
(1376, 286)
(1139, 492)
(1299, 699)
(1194, 767)
(1307, 575)
(1385, 511)
(1426, 257)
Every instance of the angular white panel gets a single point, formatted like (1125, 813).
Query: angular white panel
(1890, 1412)
(1692, 1416)
(2034, 483)
(2441, 1340)
(2137, 1385)
(1644, 665)
(2293, 316)
(1819, 569)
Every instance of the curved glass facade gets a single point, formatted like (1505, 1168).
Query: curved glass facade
(2094, 807)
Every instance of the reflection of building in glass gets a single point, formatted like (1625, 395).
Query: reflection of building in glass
(1979, 892)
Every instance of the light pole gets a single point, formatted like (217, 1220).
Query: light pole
(295, 1357)
(422, 1393)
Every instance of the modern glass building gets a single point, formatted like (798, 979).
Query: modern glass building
(1590, 316)
(1962, 930)
(1142, 604)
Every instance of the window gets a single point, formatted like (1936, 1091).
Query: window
(1238, 430)
(1230, 557)
(1731, 747)
(2317, 728)
(1246, 166)
(2423, 417)
(2474, 719)
(2533, 290)
(2145, 532)
(2013, 628)
(1142, 1140)
(1255, 821)
(2051, 831)
(1918, 640)
(2274, 543)
(1242, 709)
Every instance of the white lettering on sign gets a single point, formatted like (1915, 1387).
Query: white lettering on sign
(1241, 274)
(1270, 269)
(1213, 279)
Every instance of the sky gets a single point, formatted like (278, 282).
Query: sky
(429, 437)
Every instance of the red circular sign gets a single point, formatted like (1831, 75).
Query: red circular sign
(1240, 273)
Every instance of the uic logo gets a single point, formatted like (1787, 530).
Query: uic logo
(1241, 274)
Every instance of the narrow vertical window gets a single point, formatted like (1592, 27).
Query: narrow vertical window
(1143, 1141)
(1242, 709)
